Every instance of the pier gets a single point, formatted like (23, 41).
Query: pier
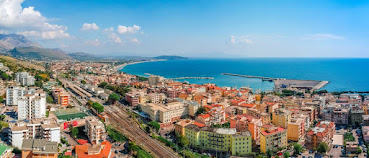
(203, 78)
(270, 79)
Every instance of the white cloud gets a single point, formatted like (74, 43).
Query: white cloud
(88, 26)
(130, 29)
(115, 38)
(28, 21)
(135, 40)
(55, 34)
(240, 40)
(111, 29)
(95, 42)
(322, 36)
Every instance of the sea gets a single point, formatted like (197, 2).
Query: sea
(343, 74)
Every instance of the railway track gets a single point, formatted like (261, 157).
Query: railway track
(121, 121)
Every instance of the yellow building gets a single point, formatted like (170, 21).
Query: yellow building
(179, 127)
(219, 139)
(296, 129)
(192, 132)
(272, 137)
(281, 117)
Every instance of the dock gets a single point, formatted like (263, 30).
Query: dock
(270, 79)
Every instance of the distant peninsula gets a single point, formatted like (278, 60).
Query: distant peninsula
(170, 57)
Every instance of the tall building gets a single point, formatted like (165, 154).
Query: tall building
(24, 78)
(154, 80)
(36, 129)
(60, 96)
(39, 148)
(281, 117)
(272, 137)
(95, 130)
(12, 94)
(296, 129)
(32, 106)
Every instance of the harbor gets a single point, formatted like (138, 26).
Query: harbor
(282, 83)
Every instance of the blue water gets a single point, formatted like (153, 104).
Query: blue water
(343, 74)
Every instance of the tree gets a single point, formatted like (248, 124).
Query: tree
(83, 82)
(200, 110)
(38, 83)
(102, 84)
(155, 125)
(98, 107)
(322, 147)
(113, 98)
(75, 132)
(269, 153)
(297, 148)
(1, 99)
(49, 99)
(359, 150)
(182, 141)
(286, 154)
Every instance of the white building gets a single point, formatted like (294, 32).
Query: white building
(32, 106)
(95, 130)
(36, 129)
(24, 78)
(12, 94)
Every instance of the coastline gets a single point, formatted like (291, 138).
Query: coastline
(121, 67)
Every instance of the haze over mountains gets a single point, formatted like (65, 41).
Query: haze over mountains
(20, 47)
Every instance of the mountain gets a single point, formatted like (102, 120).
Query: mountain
(39, 53)
(170, 57)
(10, 41)
(83, 56)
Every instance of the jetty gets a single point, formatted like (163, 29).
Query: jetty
(270, 79)
(203, 78)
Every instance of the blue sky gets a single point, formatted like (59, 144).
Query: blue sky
(206, 28)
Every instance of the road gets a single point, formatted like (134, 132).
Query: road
(121, 121)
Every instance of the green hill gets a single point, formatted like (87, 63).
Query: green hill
(38, 53)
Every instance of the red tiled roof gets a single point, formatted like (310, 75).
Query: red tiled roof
(280, 129)
(205, 116)
(82, 151)
(199, 124)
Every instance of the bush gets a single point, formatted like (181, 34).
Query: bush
(116, 135)
(155, 125)
(98, 107)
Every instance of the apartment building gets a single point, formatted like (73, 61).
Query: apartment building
(281, 117)
(154, 79)
(24, 78)
(12, 94)
(296, 129)
(167, 113)
(60, 96)
(39, 148)
(219, 139)
(31, 106)
(95, 130)
(272, 137)
(322, 132)
(215, 116)
(179, 127)
(36, 129)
